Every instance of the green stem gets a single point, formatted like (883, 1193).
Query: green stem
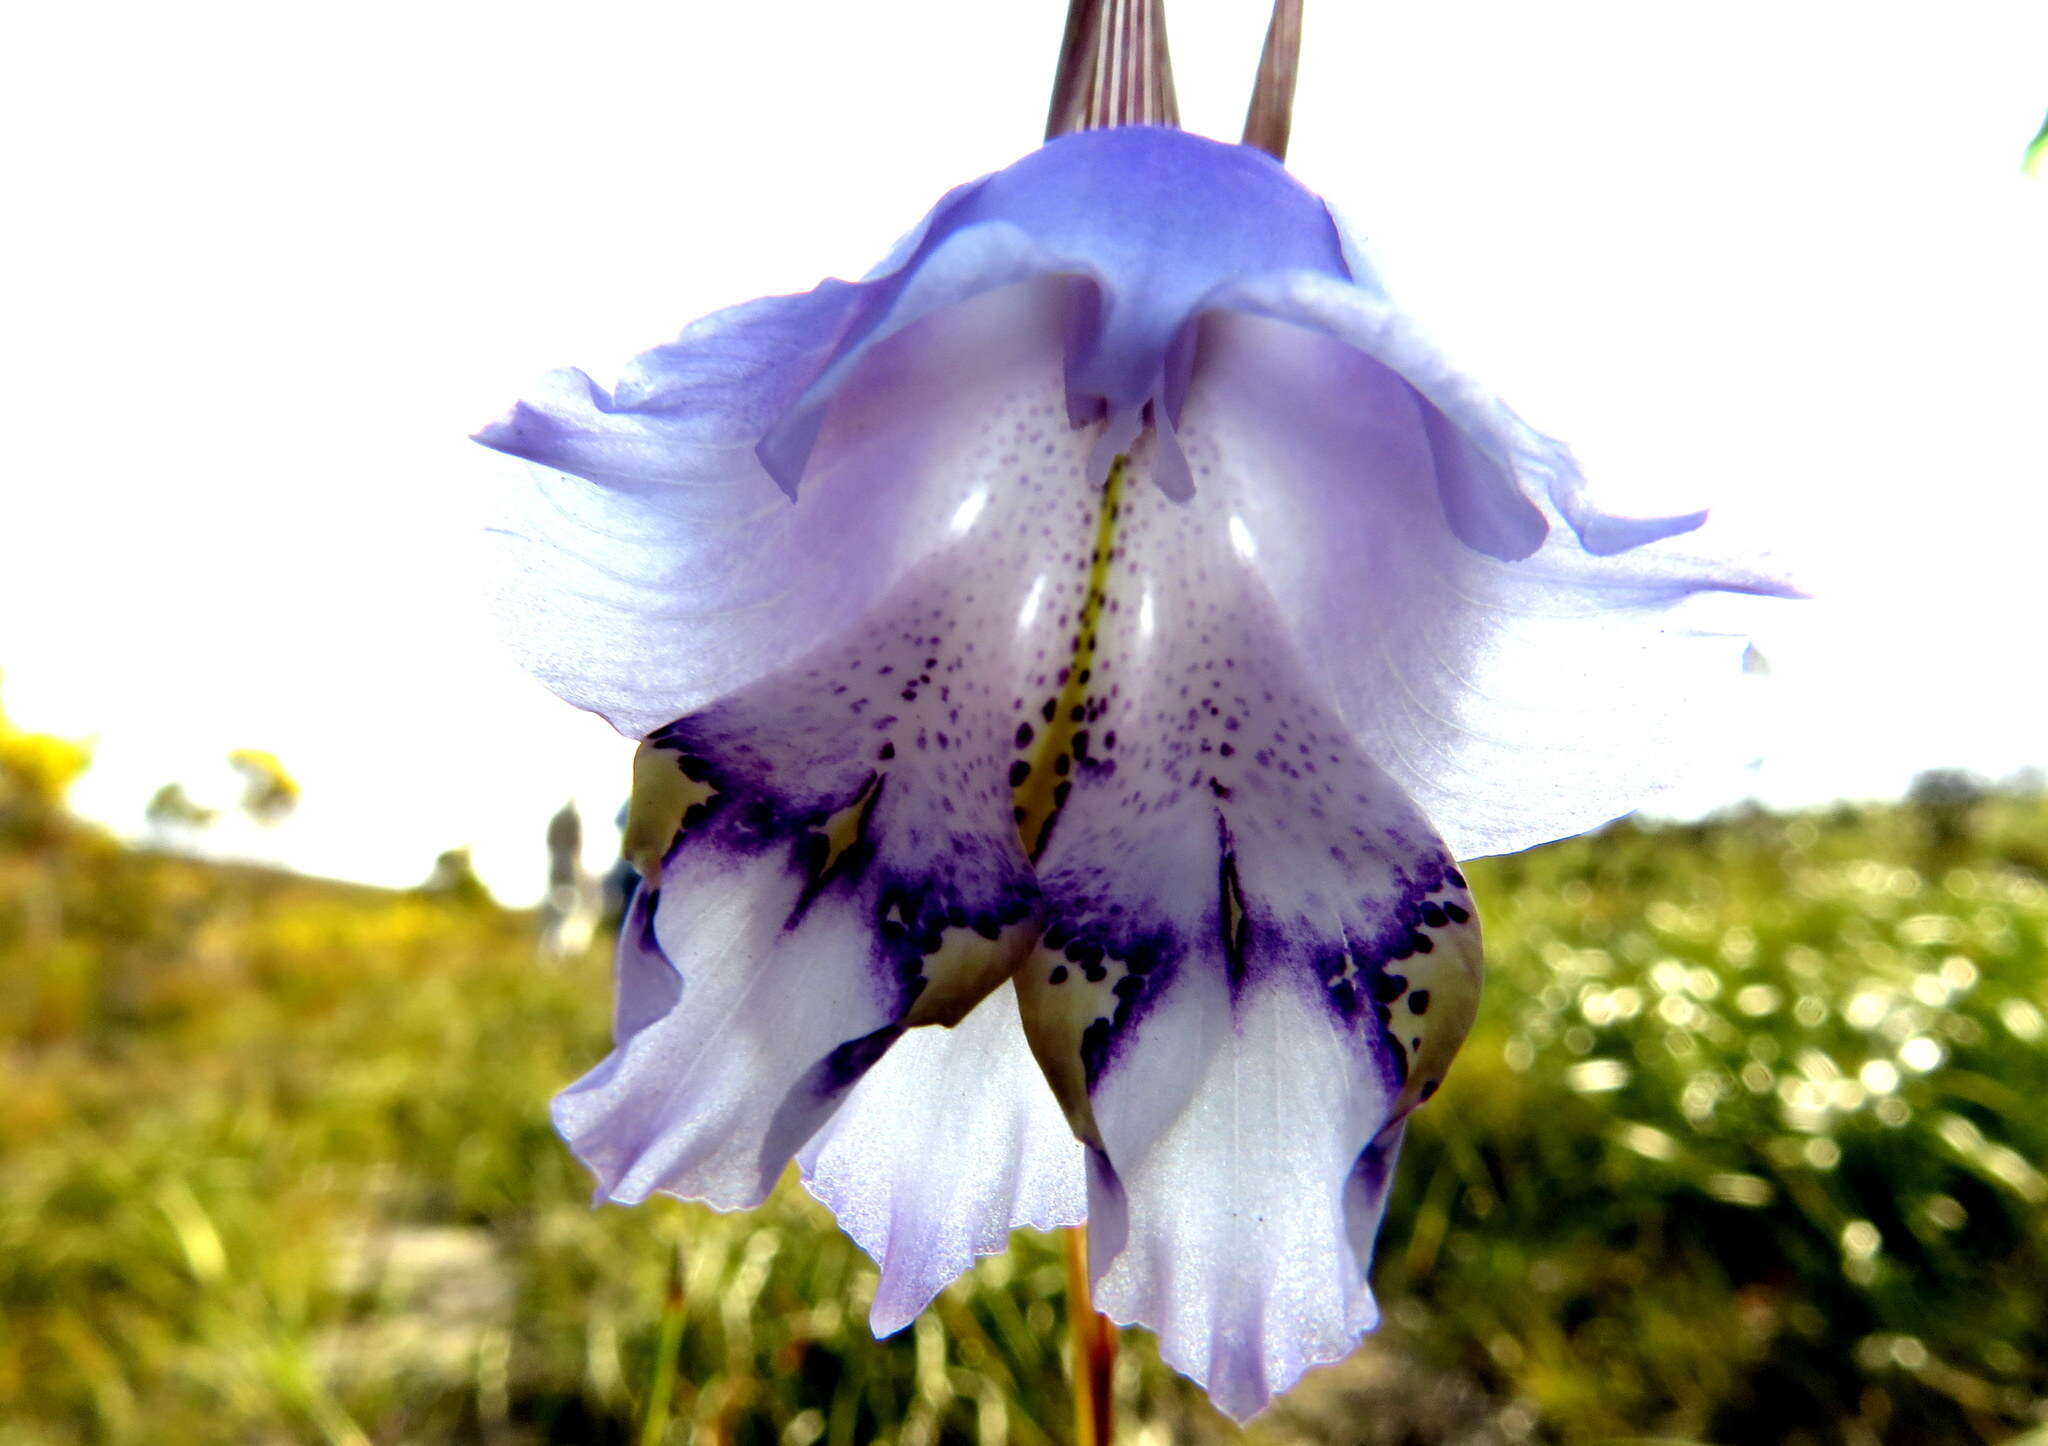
(654, 1422)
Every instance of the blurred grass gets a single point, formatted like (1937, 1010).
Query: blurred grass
(1747, 1147)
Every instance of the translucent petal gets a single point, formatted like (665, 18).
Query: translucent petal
(1495, 473)
(674, 571)
(653, 570)
(1514, 702)
(947, 1145)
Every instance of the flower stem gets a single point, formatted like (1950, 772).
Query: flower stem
(1113, 68)
(654, 1421)
(1271, 116)
(1093, 1341)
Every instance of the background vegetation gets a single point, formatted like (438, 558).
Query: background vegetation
(1747, 1147)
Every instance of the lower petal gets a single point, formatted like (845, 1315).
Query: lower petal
(1243, 1231)
(943, 1149)
(1257, 959)
(822, 875)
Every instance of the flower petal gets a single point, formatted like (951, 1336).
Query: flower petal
(1257, 959)
(1515, 702)
(1494, 470)
(746, 364)
(810, 909)
(673, 570)
(943, 1149)
(1160, 219)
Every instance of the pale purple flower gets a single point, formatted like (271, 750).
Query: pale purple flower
(952, 717)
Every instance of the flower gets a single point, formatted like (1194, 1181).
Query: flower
(1098, 631)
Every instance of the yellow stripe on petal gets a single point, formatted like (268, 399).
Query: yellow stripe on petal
(1041, 787)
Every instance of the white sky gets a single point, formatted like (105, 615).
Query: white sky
(274, 262)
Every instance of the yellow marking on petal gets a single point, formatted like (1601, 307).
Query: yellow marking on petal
(965, 967)
(1056, 1020)
(843, 829)
(1233, 911)
(1450, 974)
(1039, 796)
(663, 796)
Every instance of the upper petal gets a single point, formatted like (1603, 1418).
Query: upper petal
(656, 563)
(1494, 471)
(1160, 219)
(1513, 701)
(654, 566)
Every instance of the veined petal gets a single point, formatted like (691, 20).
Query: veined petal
(952, 268)
(1514, 702)
(943, 1149)
(745, 365)
(673, 570)
(1493, 470)
(1257, 959)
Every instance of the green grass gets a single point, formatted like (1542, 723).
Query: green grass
(1746, 1147)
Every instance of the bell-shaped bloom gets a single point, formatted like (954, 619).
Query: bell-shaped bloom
(1098, 631)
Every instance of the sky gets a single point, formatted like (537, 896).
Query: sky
(274, 263)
